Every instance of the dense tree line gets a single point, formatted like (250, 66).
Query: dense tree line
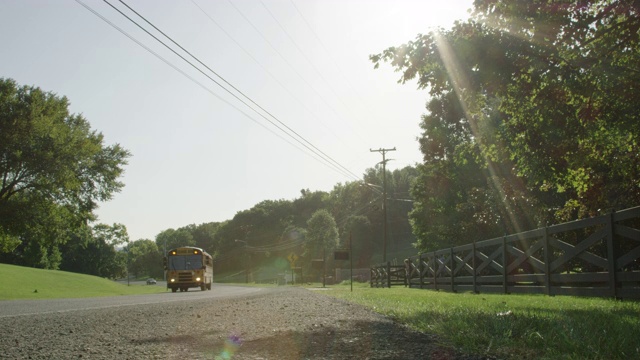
(316, 223)
(310, 226)
(533, 117)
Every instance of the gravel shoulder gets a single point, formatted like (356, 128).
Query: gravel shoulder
(276, 323)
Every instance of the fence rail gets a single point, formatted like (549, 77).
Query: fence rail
(387, 275)
(599, 257)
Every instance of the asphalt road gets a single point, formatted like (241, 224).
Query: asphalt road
(13, 308)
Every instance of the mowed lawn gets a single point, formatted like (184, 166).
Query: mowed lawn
(29, 283)
(512, 326)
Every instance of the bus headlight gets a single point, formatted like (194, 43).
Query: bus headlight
(197, 279)
(173, 280)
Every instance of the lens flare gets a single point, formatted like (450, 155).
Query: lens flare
(231, 345)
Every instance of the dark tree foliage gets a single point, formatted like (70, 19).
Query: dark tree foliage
(400, 239)
(322, 238)
(203, 235)
(253, 234)
(145, 258)
(172, 238)
(94, 251)
(357, 229)
(53, 170)
(271, 231)
(533, 117)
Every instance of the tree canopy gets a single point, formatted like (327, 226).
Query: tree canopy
(533, 116)
(54, 170)
(322, 233)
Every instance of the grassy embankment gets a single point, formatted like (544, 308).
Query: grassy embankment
(512, 326)
(19, 282)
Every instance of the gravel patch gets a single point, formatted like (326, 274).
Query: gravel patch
(277, 323)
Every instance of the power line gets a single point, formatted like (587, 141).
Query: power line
(353, 88)
(285, 60)
(298, 138)
(327, 104)
(315, 68)
(267, 71)
(199, 83)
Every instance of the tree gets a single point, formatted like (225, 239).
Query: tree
(172, 238)
(53, 167)
(399, 203)
(541, 100)
(271, 230)
(358, 230)
(308, 203)
(204, 235)
(145, 258)
(94, 251)
(321, 234)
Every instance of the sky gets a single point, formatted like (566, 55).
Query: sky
(199, 154)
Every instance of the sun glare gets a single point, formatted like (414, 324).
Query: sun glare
(460, 85)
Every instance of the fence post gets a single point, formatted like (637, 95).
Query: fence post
(547, 261)
(504, 264)
(611, 257)
(389, 274)
(436, 268)
(473, 265)
(421, 269)
(371, 276)
(453, 289)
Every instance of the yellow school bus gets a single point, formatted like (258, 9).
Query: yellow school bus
(187, 267)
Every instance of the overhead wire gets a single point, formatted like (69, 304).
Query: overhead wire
(329, 161)
(267, 71)
(196, 81)
(313, 65)
(327, 104)
(318, 155)
(324, 47)
(298, 138)
(344, 77)
(182, 72)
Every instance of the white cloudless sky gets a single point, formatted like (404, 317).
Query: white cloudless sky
(198, 154)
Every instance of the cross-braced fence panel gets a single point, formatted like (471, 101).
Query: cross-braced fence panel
(599, 256)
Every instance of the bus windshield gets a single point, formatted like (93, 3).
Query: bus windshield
(185, 262)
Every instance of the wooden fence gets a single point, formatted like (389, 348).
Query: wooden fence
(387, 275)
(593, 257)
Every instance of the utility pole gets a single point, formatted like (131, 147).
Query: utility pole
(384, 197)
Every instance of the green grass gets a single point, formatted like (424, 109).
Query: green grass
(512, 326)
(19, 282)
